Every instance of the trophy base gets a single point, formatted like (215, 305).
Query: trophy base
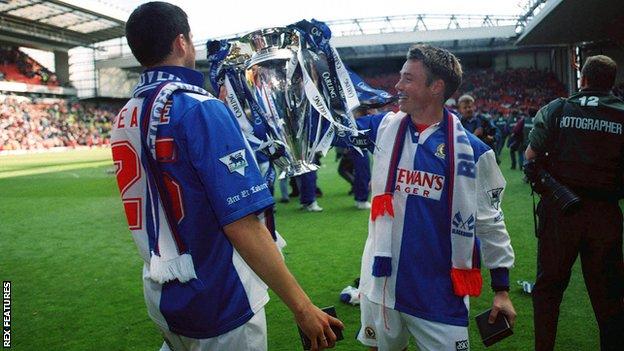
(298, 169)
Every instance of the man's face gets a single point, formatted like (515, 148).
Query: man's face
(466, 109)
(414, 94)
(189, 60)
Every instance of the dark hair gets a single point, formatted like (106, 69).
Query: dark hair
(152, 28)
(440, 64)
(599, 71)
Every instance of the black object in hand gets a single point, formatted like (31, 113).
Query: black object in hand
(307, 344)
(493, 333)
(544, 184)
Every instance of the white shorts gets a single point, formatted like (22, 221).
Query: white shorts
(251, 336)
(392, 331)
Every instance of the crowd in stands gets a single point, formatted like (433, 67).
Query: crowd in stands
(497, 92)
(15, 65)
(27, 124)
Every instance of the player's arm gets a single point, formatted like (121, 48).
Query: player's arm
(254, 243)
(537, 136)
(370, 125)
(496, 250)
(213, 138)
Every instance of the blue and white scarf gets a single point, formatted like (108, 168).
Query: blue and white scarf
(462, 194)
(170, 258)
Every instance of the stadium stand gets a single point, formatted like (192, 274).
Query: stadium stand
(18, 67)
(521, 89)
(42, 123)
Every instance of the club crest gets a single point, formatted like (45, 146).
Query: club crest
(440, 151)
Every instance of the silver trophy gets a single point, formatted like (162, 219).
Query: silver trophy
(279, 88)
(276, 80)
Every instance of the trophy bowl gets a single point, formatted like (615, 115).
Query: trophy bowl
(277, 85)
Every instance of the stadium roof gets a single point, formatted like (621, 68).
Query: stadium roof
(575, 21)
(54, 24)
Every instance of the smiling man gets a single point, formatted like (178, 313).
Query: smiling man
(436, 188)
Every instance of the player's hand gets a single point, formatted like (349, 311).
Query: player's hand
(316, 325)
(502, 304)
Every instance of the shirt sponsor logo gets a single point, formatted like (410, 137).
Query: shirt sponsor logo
(463, 227)
(235, 162)
(593, 124)
(419, 183)
(495, 197)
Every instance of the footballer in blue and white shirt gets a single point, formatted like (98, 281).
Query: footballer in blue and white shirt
(200, 150)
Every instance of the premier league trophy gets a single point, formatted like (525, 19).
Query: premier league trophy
(278, 86)
(293, 94)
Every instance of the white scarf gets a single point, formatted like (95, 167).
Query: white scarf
(462, 195)
(170, 257)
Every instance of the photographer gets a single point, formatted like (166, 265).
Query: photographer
(575, 161)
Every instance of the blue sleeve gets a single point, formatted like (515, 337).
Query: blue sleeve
(224, 163)
(500, 278)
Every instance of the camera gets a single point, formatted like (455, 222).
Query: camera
(549, 188)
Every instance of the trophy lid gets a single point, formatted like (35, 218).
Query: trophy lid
(270, 44)
(276, 37)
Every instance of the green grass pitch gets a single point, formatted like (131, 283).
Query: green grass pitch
(76, 275)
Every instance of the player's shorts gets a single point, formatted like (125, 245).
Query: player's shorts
(390, 330)
(251, 336)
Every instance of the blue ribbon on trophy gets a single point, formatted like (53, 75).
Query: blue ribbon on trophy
(318, 56)
(217, 51)
(338, 88)
(370, 97)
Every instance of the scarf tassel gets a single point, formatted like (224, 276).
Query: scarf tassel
(466, 281)
(180, 267)
(381, 205)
